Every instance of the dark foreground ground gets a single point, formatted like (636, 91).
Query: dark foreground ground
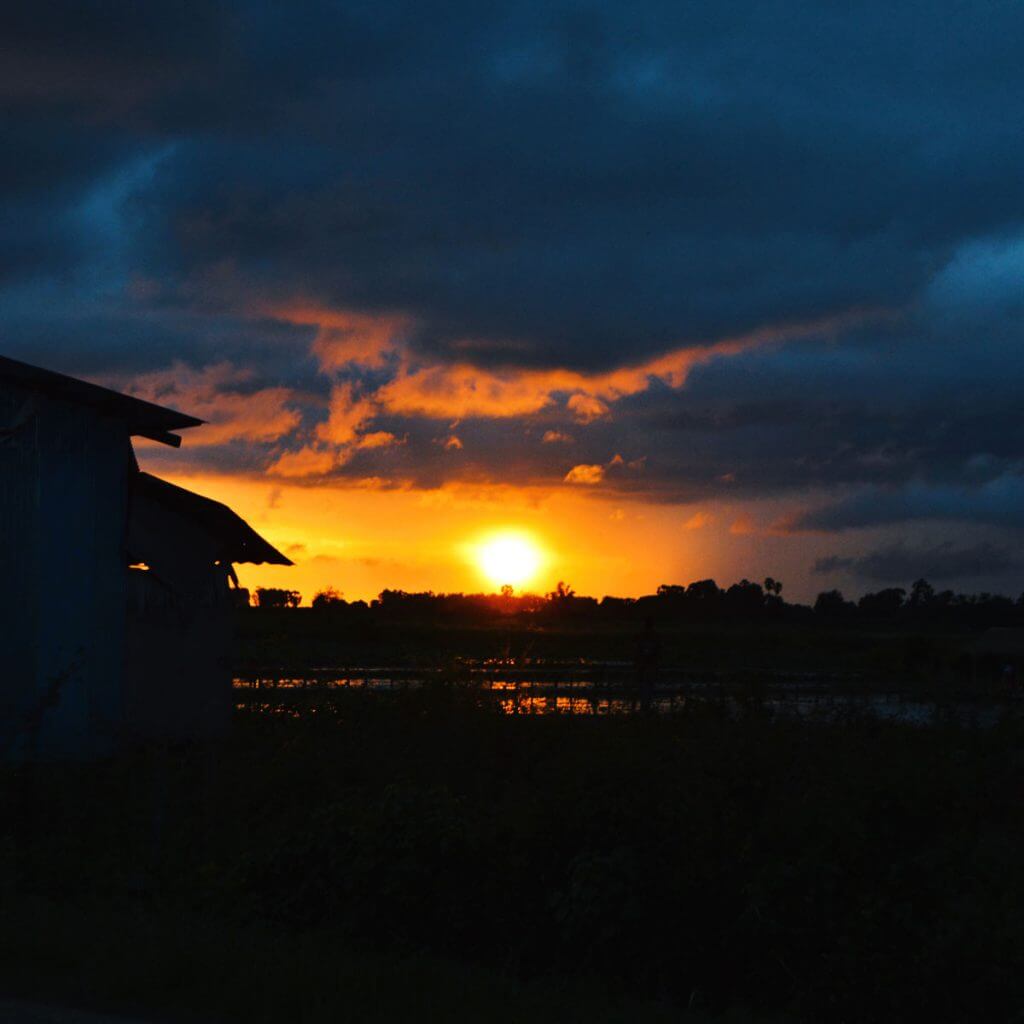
(419, 856)
(21, 1011)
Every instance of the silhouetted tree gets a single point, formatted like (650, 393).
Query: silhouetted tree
(328, 598)
(832, 604)
(704, 592)
(744, 599)
(922, 593)
(275, 597)
(562, 592)
(702, 601)
(883, 604)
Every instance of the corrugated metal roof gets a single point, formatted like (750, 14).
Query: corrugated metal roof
(142, 419)
(230, 537)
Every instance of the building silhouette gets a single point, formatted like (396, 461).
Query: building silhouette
(115, 586)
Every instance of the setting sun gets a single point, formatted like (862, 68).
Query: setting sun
(511, 557)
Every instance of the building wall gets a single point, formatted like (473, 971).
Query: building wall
(63, 504)
(177, 659)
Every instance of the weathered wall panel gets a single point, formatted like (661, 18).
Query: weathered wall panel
(19, 583)
(177, 660)
(63, 493)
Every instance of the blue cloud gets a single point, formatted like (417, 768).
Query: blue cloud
(551, 185)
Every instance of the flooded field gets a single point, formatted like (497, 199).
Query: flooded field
(607, 688)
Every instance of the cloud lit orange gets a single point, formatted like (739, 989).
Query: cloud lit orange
(218, 395)
(585, 474)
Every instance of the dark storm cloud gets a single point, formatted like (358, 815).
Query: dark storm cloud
(548, 186)
(578, 180)
(902, 563)
(100, 340)
(998, 502)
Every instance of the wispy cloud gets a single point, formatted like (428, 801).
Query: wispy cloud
(462, 390)
(221, 394)
(347, 338)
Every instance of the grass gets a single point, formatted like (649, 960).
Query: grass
(384, 856)
(162, 964)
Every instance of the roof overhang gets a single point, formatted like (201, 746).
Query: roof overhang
(141, 418)
(164, 516)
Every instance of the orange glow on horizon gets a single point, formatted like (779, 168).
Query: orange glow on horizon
(368, 537)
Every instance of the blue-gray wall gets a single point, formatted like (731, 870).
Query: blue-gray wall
(63, 503)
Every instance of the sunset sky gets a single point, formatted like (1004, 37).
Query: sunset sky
(676, 290)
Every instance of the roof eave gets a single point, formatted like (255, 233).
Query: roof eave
(141, 418)
(163, 437)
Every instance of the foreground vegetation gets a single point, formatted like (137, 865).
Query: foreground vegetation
(932, 661)
(163, 964)
(673, 604)
(417, 854)
(919, 639)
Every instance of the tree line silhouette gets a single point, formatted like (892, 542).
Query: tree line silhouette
(699, 601)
